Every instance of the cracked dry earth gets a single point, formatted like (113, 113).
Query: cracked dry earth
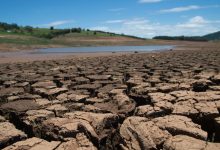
(168, 100)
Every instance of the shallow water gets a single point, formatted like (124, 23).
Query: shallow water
(56, 53)
(105, 49)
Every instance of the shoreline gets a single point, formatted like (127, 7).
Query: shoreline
(22, 56)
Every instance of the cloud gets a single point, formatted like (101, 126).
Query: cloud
(187, 8)
(181, 9)
(149, 1)
(57, 23)
(143, 27)
(194, 22)
(114, 21)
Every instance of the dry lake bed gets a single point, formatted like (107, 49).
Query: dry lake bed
(166, 100)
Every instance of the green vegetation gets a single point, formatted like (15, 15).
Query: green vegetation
(208, 37)
(181, 38)
(213, 36)
(25, 40)
(50, 33)
(13, 36)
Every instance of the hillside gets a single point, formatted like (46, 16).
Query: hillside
(10, 41)
(213, 36)
(208, 37)
(15, 37)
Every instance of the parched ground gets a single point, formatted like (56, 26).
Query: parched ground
(168, 100)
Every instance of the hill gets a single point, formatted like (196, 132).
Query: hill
(181, 38)
(208, 37)
(15, 37)
(213, 36)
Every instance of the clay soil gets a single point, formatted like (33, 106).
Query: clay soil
(160, 100)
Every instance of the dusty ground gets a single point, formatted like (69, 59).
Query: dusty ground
(168, 100)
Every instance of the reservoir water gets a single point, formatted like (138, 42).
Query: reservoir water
(56, 53)
(105, 49)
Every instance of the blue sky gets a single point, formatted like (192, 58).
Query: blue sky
(145, 18)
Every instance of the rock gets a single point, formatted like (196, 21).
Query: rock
(207, 109)
(88, 87)
(57, 91)
(182, 95)
(214, 88)
(9, 83)
(92, 108)
(44, 102)
(72, 97)
(158, 97)
(120, 104)
(180, 125)
(182, 142)
(134, 81)
(140, 93)
(140, 133)
(207, 96)
(34, 144)
(159, 109)
(24, 96)
(11, 91)
(2, 119)
(36, 116)
(166, 88)
(6, 92)
(80, 142)
(9, 134)
(19, 106)
(44, 84)
(99, 77)
(94, 100)
(201, 85)
(102, 123)
(185, 108)
(58, 109)
(51, 93)
(81, 80)
(217, 129)
(97, 126)
(216, 79)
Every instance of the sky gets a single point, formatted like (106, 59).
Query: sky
(144, 18)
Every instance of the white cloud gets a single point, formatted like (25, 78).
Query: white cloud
(114, 21)
(187, 8)
(149, 1)
(142, 27)
(56, 23)
(181, 9)
(194, 22)
(136, 21)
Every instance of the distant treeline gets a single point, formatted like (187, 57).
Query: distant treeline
(38, 32)
(50, 33)
(181, 38)
(116, 34)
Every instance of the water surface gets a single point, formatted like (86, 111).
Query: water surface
(105, 49)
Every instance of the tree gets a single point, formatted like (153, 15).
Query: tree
(14, 26)
(94, 32)
(28, 29)
(51, 28)
(76, 30)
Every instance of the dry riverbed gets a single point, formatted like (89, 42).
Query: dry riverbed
(166, 100)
